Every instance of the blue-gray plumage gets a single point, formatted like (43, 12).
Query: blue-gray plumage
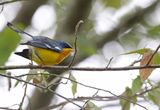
(47, 43)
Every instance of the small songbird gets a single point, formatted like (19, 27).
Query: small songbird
(43, 50)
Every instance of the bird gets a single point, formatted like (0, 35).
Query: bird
(43, 50)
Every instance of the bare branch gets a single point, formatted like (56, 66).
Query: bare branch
(78, 68)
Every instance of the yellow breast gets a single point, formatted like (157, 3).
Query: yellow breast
(49, 57)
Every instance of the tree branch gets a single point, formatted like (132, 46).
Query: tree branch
(78, 68)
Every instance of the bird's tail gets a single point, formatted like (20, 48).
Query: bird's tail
(18, 30)
(24, 53)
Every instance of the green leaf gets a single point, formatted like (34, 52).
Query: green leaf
(154, 96)
(125, 104)
(74, 85)
(139, 51)
(8, 42)
(134, 99)
(136, 84)
(156, 58)
(112, 3)
(91, 106)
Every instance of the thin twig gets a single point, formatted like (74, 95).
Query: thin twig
(75, 42)
(18, 30)
(136, 61)
(90, 99)
(24, 95)
(110, 60)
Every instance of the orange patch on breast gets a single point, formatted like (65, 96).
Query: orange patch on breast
(65, 53)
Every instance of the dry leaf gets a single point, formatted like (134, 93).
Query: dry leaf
(145, 73)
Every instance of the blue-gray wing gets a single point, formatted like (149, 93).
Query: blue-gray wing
(45, 43)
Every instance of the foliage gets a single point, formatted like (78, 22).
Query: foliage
(136, 85)
(154, 96)
(74, 84)
(139, 51)
(8, 43)
(128, 95)
(91, 106)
